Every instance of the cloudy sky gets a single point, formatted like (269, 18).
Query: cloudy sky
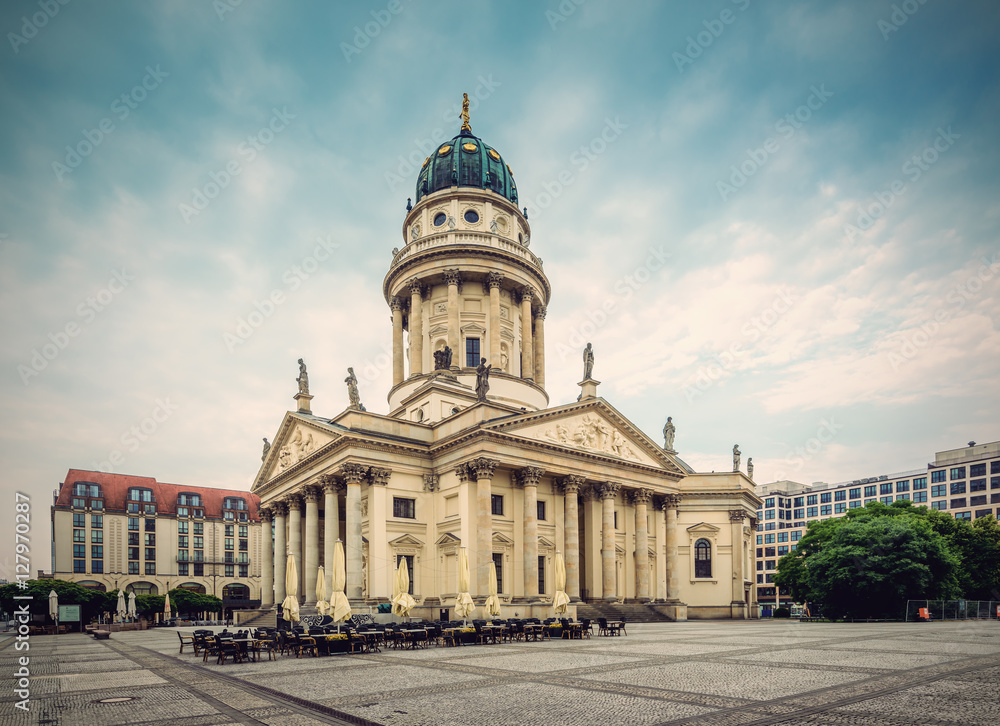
(777, 223)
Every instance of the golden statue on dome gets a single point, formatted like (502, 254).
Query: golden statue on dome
(465, 113)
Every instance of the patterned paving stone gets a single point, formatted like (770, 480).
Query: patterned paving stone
(107, 681)
(544, 662)
(525, 704)
(823, 656)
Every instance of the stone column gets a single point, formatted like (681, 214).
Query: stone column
(266, 559)
(353, 475)
(416, 331)
(539, 344)
(607, 492)
(528, 478)
(494, 280)
(670, 504)
(736, 517)
(331, 527)
(294, 502)
(454, 279)
(483, 468)
(280, 550)
(640, 499)
(396, 305)
(570, 486)
(527, 354)
(310, 570)
(380, 560)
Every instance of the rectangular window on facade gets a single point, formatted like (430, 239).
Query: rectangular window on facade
(958, 487)
(182, 528)
(983, 513)
(995, 499)
(760, 540)
(199, 528)
(150, 568)
(769, 552)
(150, 553)
(133, 568)
(133, 553)
(855, 493)
(902, 496)
(198, 542)
(405, 508)
(230, 528)
(920, 483)
(244, 570)
(767, 525)
(182, 555)
(472, 352)
(79, 565)
(230, 570)
(79, 535)
(97, 535)
(97, 504)
(229, 543)
(760, 564)
(855, 505)
(939, 490)
(799, 501)
(244, 545)
(885, 488)
(769, 565)
(782, 536)
(79, 519)
(182, 511)
(182, 569)
(783, 550)
(133, 524)
(796, 536)
(812, 511)
(943, 504)
(133, 538)
(977, 470)
(149, 509)
(498, 564)
(977, 501)
(97, 520)
(825, 510)
(903, 486)
(541, 511)
(798, 513)
(826, 497)
(870, 490)
(919, 497)
(769, 502)
(886, 500)
(958, 503)
(938, 476)
(182, 541)
(150, 540)
(768, 539)
(977, 485)
(496, 504)
(812, 499)
(79, 550)
(840, 507)
(198, 569)
(244, 531)
(963, 515)
(840, 495)
(769, 514)
(995, 467)
(150, 525)
(958, 473)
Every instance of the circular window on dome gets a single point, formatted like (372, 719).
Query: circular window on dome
(471, 216)
(494, 154)
(444, 150)
(469, 147)
(440, 219)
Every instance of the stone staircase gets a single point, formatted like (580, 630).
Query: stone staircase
(632, 612)
(265, 619)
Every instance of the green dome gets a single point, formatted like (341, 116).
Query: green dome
(466, 161)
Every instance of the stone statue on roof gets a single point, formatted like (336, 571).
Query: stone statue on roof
(267, 447)
(668, 434)
(352, 390)
(303, 378)
(588, 362)
(736, 457)
(482, 379)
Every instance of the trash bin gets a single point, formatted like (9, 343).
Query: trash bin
(443, 614)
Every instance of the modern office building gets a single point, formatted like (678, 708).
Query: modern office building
(963, 482)
(135, 533)
(469, 453)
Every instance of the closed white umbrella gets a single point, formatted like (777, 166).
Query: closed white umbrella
(560, 600)
(290, 605)
(341, 607)
(120, 609)
(463, 603)
(131, 605)
(54, 607)
(402, 600)
(322, 606)
(166, 607)
(492, 606)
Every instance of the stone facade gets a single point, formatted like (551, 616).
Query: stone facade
(510, 478)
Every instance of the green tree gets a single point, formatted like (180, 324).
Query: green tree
(867, 564)
(91, 602)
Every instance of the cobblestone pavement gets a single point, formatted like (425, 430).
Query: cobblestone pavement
(713, 673)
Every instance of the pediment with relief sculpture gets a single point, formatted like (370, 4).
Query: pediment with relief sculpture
(296, 440)
(593, 430)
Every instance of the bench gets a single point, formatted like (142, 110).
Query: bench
(101, 634)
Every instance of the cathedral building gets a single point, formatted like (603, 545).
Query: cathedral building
(470, 453)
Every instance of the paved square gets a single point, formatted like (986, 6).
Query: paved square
(713, 673)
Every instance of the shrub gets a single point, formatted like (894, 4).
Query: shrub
(782, 613)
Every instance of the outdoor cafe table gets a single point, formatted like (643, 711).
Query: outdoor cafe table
(493, 631)
(575, 631)
(456, 634)
(533, 631)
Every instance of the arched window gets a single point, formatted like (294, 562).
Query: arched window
(702, 558)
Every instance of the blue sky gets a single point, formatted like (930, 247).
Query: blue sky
(703, 171)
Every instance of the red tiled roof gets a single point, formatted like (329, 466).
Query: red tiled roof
(114, 488)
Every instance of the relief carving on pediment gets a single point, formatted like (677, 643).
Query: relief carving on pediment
(592, 433)
(297, 448)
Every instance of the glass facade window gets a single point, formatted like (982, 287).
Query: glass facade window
(963, 515)
(958, 487)
(840, 495)
(943, 504)
(133, 524)
(230, 570)
(798, 513)
(182, 569)
(133, 539)
(150, 540)
(977, 501)
(886, 500)
(97, 520)
(826, 497)
(885, 488)
(939, 490)
(150, 525)
(79, 565)
(977, 470)
(229, 543)
(977, 485)
(769, 502)
(97, 535)
(800, 501)
(855, 504)
(496, 504)
(958, 503)
(796, 536)
(903, 486)
(768, 539)
(79, 550)
(812, 511)
(958, 472)
(983, 513)
(840, 507)
(133, 568)
(783, 550)
(182, 528)
(938, 476)
(79, 519)
(920, 483)
(855, 493)
(782, 536)
(540, 511)
(199, 528)
(825, 510)
(919, 497)
(702, 558)
(902, 496)
(245, 571)
(472, 352)
(812, 499)
(150, 568)
(79, 535)
(870, 490)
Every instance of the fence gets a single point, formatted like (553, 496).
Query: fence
(954, 609)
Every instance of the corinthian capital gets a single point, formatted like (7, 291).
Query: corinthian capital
(571, 484)
(378, 476)
(353, 473)
(494, 279)
(640, 496)
(608, 489)
(483, 467)
(310, 493)
(453, 277)
(737, 515)
(529, 476)
(670, 501)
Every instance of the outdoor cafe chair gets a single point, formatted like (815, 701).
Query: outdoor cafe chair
(305, 642)
(621, 625)
(187, 640)
(227, 648)
(587, 629)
